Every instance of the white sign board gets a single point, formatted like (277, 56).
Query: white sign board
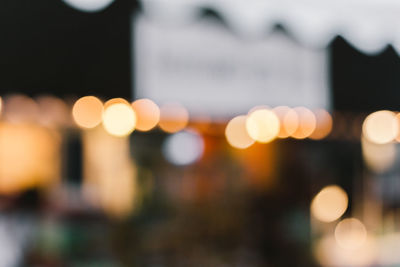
(209, 70)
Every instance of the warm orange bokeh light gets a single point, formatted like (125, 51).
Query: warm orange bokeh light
(289, 121)
(29, 157)
(262, 125)
(307, 123)
(236, 133)
(148, 114)
(381, 127)
(324, 124)
(173, 117)
(329, 204)
(88, 111)
(119, 118)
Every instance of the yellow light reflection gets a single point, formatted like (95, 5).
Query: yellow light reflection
(262, 125)
(381, 127)
(236, 133)
(324, 124)
(119, 119)
(378, 158)
(307, 123)
(174, 117)
(350, 234)
(329, 204)
(87, 112)
(289, 121)
(148, 114)
(110, 175)
(29, 157)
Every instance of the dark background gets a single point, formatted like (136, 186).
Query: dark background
(48, 47)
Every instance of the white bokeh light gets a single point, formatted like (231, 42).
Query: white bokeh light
(89, 5)
(183, 148)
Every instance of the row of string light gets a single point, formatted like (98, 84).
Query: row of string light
(262, 124)
(119, 117)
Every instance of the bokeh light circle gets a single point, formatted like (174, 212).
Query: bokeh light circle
(289, 121)
(329, 204)
(262, 125)
(324, 124)
(381, 127)
(350, 233)
(119, 119)
(173, 117)
(183, 148)
(236, 133)
(87, 112)
(307, 123)
(148, 114)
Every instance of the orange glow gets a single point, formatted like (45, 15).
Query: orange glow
(29, 157)
(236, 133)
(350, 233)
(307, 123)
(1, 105)
(173, 118)
(259, 161)
(88, 111)
(324, 125)
(119, 118)
(381, 127)
(202, 123)
(148, 114)
(20, 108)
(262, 125)
(288, 119)
(329, 204)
